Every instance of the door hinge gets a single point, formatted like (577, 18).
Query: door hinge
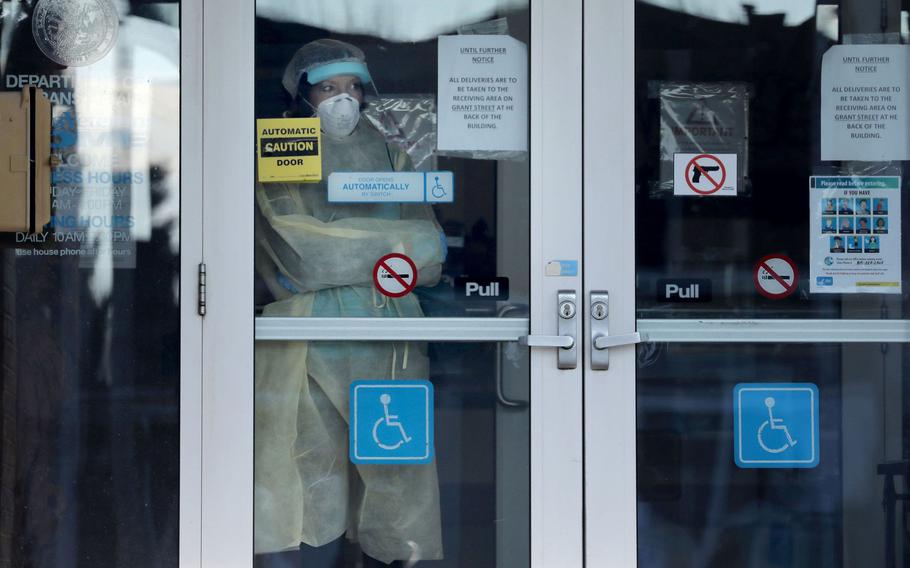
(201, 293)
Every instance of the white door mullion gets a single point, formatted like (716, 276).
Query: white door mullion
(609, 220)
(227, 387)
(556, 395)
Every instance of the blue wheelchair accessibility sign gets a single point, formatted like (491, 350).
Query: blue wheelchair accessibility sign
(391, 422)
(775, 425)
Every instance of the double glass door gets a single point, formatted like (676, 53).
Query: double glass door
(421, 351)
(489, 283)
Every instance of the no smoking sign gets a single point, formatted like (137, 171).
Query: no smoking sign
(775, 276)
(704, 174)
(395, 275)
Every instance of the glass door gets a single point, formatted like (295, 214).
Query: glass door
(100, 200)
(744, 177)
(394, 272)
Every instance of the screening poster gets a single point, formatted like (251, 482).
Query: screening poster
(855, 234)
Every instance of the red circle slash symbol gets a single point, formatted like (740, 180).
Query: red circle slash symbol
(703, 173)
(775, 276)
(395, 275)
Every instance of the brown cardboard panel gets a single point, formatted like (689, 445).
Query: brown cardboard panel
(14, 144)
(18, 179)
(18, 164)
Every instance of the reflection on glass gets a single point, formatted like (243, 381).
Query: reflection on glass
(90, 383)
(387, 228)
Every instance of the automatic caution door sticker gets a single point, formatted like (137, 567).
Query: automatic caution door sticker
(704, 174)
(287, 149)
(395, 275)
(776, 276)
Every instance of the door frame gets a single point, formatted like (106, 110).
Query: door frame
(226, 432)
(226, 484)
(609, 253)
(191, 243)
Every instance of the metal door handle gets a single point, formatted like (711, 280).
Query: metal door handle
(500, 387)
(607, 341)
(564, 341)
(601, 340)
(567, 328)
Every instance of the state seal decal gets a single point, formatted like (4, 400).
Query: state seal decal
(75, 32)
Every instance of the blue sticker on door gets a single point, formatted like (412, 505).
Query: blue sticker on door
(391, 422)
(775, 425)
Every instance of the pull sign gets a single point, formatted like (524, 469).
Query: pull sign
(493, 289)
(684, 290)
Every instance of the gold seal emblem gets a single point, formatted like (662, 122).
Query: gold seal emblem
(75, 32)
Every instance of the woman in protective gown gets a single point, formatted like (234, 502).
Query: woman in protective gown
(317, 259)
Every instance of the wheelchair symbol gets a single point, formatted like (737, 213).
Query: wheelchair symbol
(775, 424)
(438, 190)
(390, 421)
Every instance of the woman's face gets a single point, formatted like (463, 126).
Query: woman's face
(334, 86)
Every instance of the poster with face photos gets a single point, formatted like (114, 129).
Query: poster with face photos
(855, 234)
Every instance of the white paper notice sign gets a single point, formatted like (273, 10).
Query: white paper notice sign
(483, 94)
(855, 234)
(864, 103)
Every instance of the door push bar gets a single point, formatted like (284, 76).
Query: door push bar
(567, 327)
(601, 340)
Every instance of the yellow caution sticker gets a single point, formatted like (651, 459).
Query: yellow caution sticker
(287, 149)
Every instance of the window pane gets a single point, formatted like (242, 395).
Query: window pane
(385, 209)
(744, 85)
(91, 324)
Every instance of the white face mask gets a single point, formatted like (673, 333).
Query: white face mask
(339, 114)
